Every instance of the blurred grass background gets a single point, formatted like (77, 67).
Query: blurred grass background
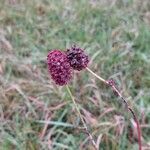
(35, 114)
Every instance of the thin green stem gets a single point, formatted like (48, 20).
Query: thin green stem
(84, 124)
(76, 106)
(100, 78)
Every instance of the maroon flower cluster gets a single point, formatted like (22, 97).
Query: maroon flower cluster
(60, 64)
(59, 67)
(77, 58)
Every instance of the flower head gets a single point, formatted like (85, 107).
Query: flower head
(59, 67)
(77, 58)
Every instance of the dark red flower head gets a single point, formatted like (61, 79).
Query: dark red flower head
(59, 67)
(77, 58)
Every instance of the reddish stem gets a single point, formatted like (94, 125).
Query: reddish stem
(112, 84)
(117, 93)
(138, 128)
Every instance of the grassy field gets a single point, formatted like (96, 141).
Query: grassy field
(35, 114)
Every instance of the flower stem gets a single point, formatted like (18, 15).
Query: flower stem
(100, 78)
(84, 124)
(111, 83)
